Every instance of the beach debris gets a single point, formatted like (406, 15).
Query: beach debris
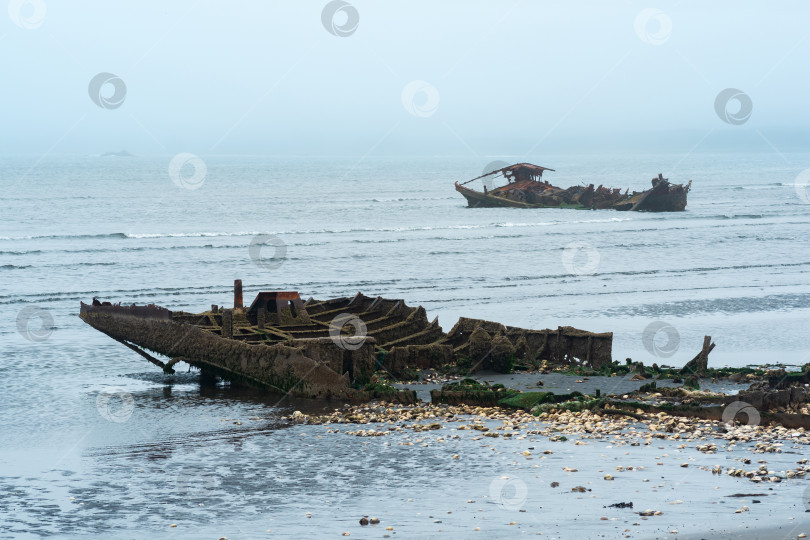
(699, 364)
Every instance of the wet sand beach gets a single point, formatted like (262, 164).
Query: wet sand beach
(562, 473)
(424, 471)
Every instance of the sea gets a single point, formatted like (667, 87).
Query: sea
(177, 231)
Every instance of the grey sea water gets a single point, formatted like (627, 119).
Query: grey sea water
(733, 266)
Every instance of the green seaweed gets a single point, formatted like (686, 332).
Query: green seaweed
(381, 387)
(528, 400)
(572, 406)
(649, 387)
(472, 392)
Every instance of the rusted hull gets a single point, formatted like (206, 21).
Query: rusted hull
(476, 199)
(525, 189)
(309, 349)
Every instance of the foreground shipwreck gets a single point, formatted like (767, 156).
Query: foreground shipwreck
(525, 189)
(332, 348)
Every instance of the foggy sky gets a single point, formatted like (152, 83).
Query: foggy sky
(505, 78)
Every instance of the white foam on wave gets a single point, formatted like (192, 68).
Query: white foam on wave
(213, 234)
(190, 234)
(561, 222)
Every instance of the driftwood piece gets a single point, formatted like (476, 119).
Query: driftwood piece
(699, 364)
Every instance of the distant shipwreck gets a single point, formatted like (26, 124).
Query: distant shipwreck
(526, 189)
(332, 348)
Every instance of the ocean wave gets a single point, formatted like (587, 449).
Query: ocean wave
(763, 186)
(58, 265)
(214, 234)
(154, 294)
(362, 230)
(561, 222)
(63, 236)
(727, 216)
(402, 199)
(734, 305)
(188, 235)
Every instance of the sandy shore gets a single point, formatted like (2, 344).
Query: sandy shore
(786, 532)
(256, 469)
(557, 475)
